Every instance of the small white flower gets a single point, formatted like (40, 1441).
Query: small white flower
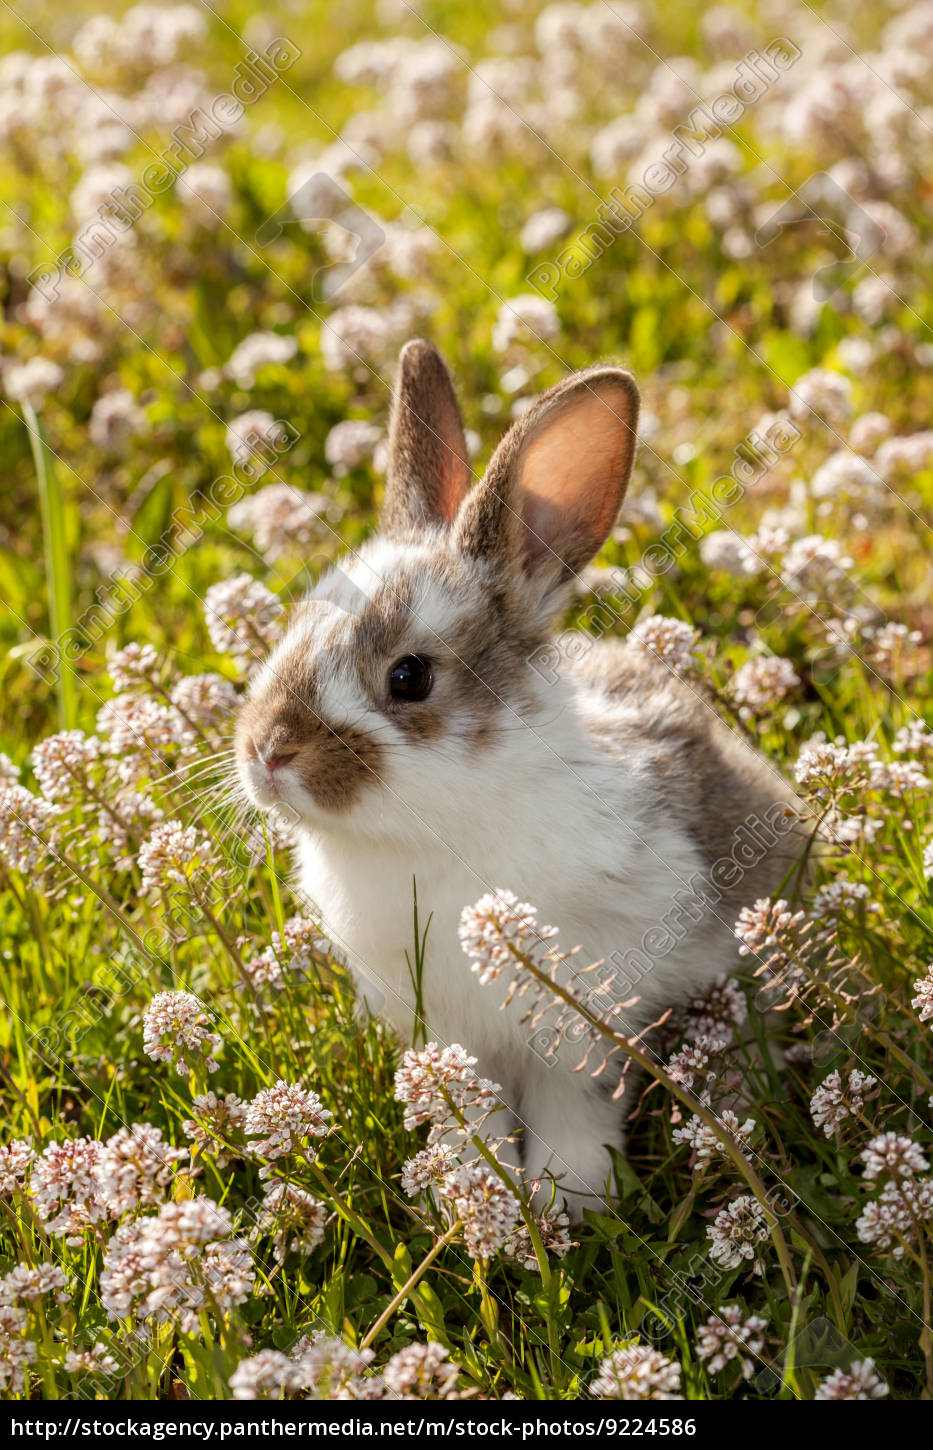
(860, 1382)
(175, 1026)
(637, 1373)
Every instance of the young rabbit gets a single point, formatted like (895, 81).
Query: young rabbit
(403, 719)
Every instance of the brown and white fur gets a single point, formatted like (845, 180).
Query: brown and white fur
(599, 798)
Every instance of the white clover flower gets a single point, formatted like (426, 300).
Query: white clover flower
(860, 1382)
(26, 832)
(294, 1219)
(350, 443)
(134, 1168)
(761, 683)
(716, 1011)
(115, 418)
(259, 350)
(488, 1209)
(895, 1154)
(737, 1231)
(216, 1120)
(268, 1375)
(175, 1265)
(554, 1230)
(62, 762)
(16, 1158)
(33, 381)
(422, 1372)
(670, 641)
(174, 853)
(498, 930)
(431, 1078)
(281, 519)
(64, 1186)
(285, 1117)
(704, 1141)
(243, 619)
(330, 1369)
(824, 393)
(832, 1103)
(728, 1335)
(637, 1373)
(135, 664)
(175, 1026)
(256, 438)
(427, 1168)
(527, 318)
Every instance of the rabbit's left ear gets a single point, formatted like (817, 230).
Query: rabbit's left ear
(556, 482)
(428, 473)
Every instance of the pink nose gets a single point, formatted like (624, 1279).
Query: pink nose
(272, 762)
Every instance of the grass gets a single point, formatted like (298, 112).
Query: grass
(717, 336)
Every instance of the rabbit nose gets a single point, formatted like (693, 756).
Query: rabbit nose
(273, 757)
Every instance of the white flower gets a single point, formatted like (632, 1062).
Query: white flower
(16, 1158)
(832, 1103)
(243, 619)
(729, 1334)
(350, 443)
(207, 191)
(868, 430)
(26, 835)
(64, 1186)
(258, 350)
(32, 382)
(431, 1078)
(215, 1121)
(923, 987)
(427, 1168)
(285, 1117)
(115, 417)
(544, 228)
(860, 1382)
(670, 641)
(763, 682)
(422, 1372)
(134, 1168)
(176, 1264)
(135, 664)
(280, 518)
(737, 1231)
(716, 1010)
(498, 930)
(824, 393)
(637, 1373)
(264, 1376)
(706, 1143)
(528, 318)
(257, 438)
(174, 853)
(329, 1369)
(893, 1153)
(488, 1209)
(294, 1219)
(174, 1026)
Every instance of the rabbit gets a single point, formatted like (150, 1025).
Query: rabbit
(403, 721)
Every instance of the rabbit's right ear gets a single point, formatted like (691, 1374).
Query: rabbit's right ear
(428, 473)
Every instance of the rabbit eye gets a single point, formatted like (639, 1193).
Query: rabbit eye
(411, 678)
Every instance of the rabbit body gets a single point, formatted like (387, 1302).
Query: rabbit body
(604, 791)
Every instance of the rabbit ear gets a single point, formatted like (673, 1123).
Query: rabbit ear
(428, 473)
(556, 482)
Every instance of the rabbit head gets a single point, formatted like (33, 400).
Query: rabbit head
(406, 668)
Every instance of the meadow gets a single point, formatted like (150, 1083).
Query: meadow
(219, 222)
